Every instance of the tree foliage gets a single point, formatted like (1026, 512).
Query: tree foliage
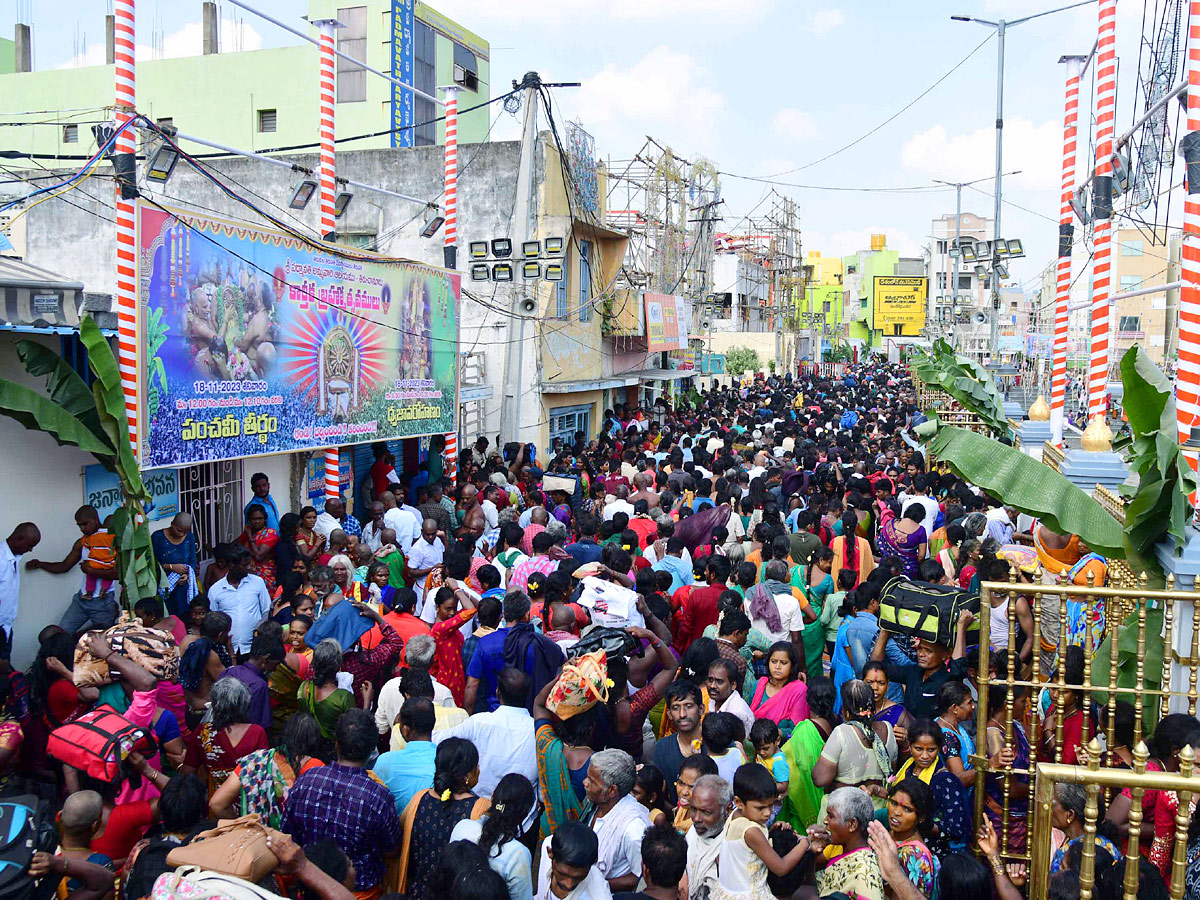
(741, 359)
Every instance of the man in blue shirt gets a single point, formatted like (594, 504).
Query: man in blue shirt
(585, 550)
(409, 771)
(262, 497)
(488, 660)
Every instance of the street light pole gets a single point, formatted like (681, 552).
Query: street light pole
(1001, 27)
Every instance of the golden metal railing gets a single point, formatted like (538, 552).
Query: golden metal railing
(1122, 605)
(1052, 456)
(1093, 779)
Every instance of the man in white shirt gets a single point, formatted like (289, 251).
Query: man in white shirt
(791, 617)
(243, 597)
(407, 526)
(505, 738)
(929, 506)
(424, 554)
(620, 504)
(617, 818)
(372, 533)
(23, 539)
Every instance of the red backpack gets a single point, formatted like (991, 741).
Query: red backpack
(98, 742)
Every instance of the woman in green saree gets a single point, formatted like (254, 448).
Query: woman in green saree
(321, 698)
(563, 757)
(803, 801)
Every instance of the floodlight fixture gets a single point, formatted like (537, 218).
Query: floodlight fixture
(1015, 249)
(554, 246)
(968, 252)
(953, 252)
(340, 202)
(1001, 270)
(478, 249)
(980, 271)
(983, 250)
(531, 270)
(162, 163)
(531, 249)
(502, 272)
(1001, 247)
(432, 226)
(501, 248)
(480, 272)
(554, 272)
(303, 193)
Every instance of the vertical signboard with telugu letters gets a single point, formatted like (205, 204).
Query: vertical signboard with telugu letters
(403, 117)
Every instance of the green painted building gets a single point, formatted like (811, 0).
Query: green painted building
(263, 99)
(860, 271)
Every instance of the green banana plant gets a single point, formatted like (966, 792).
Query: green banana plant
(964, 380)
(94, 420)
(1158, 505)
(1024, 484)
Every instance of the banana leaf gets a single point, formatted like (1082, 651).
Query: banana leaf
(1158, 506)
(110, 404)
(1029, 486)
(64, 385)
(965, 381)
(39, 413)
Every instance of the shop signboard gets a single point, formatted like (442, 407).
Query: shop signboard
(666, 322)
(900, 300)
(102, 489)
(255, 342)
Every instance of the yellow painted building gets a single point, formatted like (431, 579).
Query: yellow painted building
(1142, 262)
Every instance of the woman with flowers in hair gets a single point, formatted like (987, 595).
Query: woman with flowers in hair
(430, 816)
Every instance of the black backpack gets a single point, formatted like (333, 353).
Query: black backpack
(613, 641)
(24, 830)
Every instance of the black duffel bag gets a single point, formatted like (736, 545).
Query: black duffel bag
(925, 611)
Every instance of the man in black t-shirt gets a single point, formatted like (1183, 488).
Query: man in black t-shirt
(923, 681)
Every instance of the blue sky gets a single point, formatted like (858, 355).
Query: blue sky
(763, 87)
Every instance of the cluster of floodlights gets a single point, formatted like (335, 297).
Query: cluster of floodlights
(532, 255)
(981, 252)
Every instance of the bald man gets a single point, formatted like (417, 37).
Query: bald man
(176, 551)
(23, 539)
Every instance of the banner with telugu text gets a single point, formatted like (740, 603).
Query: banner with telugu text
(257, 343)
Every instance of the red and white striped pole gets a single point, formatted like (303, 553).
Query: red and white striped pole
(327, 98)
(451, 151)
(124, 42)
(1106, 97)
(1066, 234)
(450, 250)
(1187, 380)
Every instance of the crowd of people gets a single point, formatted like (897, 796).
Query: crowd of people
(381, 689)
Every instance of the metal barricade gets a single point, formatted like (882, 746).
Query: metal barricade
(1094, 779)
(1124, 606)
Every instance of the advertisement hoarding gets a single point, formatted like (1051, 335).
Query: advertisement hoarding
(900, 301)
(666, 322)
(102, 489)
(257, 343)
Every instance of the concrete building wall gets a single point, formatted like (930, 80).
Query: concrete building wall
(1141, 262)
(218, 96)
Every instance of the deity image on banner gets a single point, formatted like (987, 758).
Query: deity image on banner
(416, 332)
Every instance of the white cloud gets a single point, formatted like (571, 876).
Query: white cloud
(666, 93)
(1036, 150)
(794, 125)
(823, 21)
(186, 41)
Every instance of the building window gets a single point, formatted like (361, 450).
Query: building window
(1129, 323)
(70, 134)
(941, 247)
(1132, 248)
(964, 282)
(560, 296)
(266, 121)
(212, 493)
(165, 122)
(1130, 282)
(585, 281)
(941, 281)
(424, 79)
(465, 60)
(351, 40)
(567, 420)
(72, 349)
(825, 306)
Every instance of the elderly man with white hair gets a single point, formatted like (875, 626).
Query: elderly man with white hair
(709, 807)
(617, 818)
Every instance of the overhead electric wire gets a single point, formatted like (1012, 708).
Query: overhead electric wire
(877, 128)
